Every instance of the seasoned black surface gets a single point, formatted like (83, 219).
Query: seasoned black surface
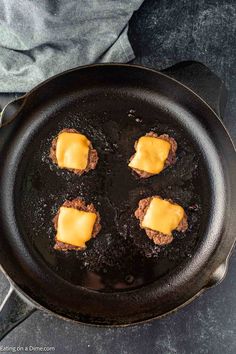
(121, 256)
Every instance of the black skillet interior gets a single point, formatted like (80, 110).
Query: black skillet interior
(133, 279)
(121, 256)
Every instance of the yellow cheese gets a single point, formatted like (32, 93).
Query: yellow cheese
(151, 154)
(72, 151)
(75, 227)
(162, 216)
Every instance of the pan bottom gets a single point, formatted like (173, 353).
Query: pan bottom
(121, 256)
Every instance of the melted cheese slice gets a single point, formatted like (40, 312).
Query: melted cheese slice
(72, 151)
(151, 154)
(163, 216)
(74, 226)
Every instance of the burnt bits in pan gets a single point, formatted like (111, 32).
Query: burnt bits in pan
(153, 154)
(76, 223)
(121, 256)
(159, 218)
(72, 150)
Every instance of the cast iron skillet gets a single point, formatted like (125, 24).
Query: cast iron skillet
(122, 277)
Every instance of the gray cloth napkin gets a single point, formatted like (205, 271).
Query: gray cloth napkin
(40, 38)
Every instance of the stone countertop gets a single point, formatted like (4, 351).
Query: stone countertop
(162, 33)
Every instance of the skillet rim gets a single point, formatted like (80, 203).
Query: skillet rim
(137, 66)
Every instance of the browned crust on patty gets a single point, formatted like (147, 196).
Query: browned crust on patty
(170, 159)
(157, 237)
(92, 157)
(78, 204)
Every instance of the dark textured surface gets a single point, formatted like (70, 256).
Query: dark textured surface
(163, 33)
(166, 32)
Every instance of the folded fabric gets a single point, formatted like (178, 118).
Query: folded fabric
(39, 39)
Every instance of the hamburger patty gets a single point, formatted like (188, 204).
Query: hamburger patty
(78, 204)
(158, 237)
(92, 156)
(170, 159)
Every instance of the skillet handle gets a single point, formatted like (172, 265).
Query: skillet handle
(13, 311)
(11, 109)
(202, 81)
